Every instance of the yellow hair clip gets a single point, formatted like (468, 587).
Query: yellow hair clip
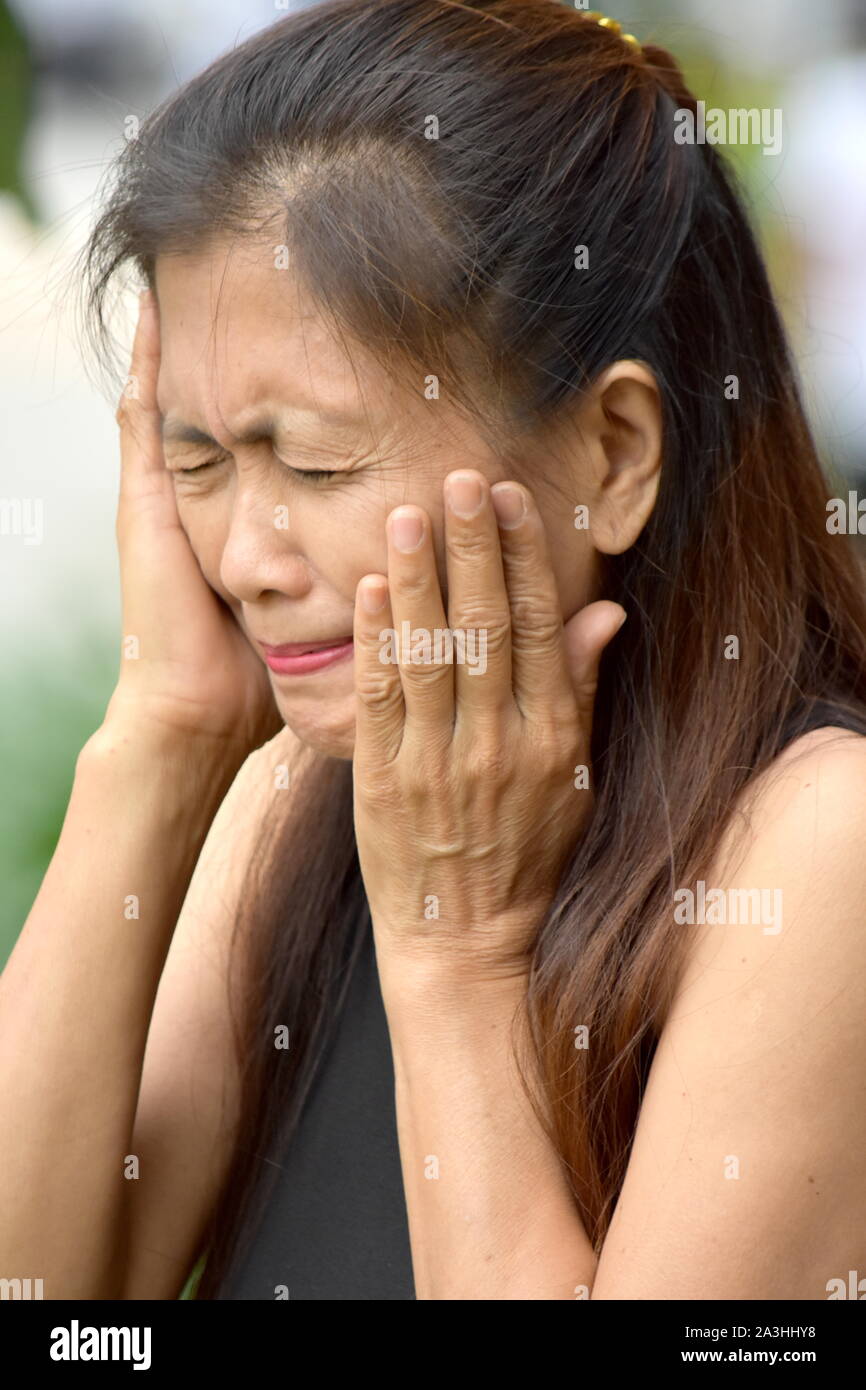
(613, 25)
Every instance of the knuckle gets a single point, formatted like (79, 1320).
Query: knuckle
(413, 584)
(429, 675)
(377, 690)
(473, 612)
(497, 638)
(543, 622)
(488, 761)
(553, 761)
(554, 742)
(469, 544)
(474, 629)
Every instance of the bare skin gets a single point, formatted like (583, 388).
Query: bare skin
(240, 341)
(182, 770)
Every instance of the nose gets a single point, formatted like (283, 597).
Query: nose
(260, 554)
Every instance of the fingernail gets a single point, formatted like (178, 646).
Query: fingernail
(373, 596)
(407, 530)
(465, 494)
(509, 503)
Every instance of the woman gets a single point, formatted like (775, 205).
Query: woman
(534, 972)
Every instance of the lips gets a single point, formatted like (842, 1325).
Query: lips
(299, 648)
(306, 658)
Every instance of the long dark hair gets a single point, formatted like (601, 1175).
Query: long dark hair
(433, 167)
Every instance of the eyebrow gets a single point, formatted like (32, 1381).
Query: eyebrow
(268, 427)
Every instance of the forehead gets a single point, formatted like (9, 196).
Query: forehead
(239, 337)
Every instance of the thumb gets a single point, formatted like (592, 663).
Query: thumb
(586, 636)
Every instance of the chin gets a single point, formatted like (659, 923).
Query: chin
(328, 727)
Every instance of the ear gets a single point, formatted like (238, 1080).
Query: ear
(623, 427)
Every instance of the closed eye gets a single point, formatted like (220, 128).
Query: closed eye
(185, 472)
(312, 474)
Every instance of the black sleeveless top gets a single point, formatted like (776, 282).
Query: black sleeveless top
(336, 1226)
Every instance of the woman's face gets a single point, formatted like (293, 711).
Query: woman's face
(246, 360)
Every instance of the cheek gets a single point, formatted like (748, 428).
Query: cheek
(206, 529)
(360, 536)
(574, 560)
(344, 539)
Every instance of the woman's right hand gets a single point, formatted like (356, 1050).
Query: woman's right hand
(186, 665)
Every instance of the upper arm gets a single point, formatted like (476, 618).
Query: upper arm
(746, 1177)
(185, 1123)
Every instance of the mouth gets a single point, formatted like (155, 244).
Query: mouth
(300, 658)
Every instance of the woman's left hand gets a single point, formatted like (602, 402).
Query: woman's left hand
(468, 797)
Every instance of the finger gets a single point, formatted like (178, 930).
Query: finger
(425, 668)
(478, 607)
(379, 708)
(540, 675)
(147, 515)
(587, 635)
(142, 460)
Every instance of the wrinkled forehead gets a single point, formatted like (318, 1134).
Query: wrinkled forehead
(242, 340)
(235, 327)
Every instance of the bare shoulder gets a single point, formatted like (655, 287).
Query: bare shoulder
(745, 1177)
(791, 865)
(812, 772)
